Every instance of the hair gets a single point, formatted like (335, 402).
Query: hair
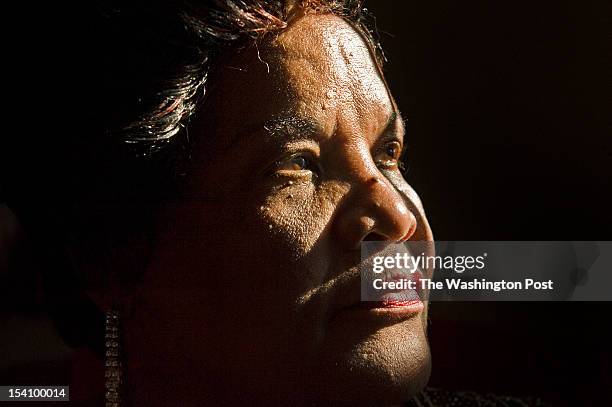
(146, 65)
(176, 46)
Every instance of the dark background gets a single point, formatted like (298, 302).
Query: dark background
(508, 131)
(508, 126)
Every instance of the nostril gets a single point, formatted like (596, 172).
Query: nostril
(374, 237)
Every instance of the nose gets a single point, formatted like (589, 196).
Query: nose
(374, 210)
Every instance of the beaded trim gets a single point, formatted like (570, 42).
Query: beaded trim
(112, 361)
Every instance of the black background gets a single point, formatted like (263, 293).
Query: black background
(508, 125)
(508, 130)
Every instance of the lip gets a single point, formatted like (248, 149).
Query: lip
(413, 305)
(399, 298)
(387, 307)
(386, 312)
(416, 276)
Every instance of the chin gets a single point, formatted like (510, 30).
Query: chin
(385, 367)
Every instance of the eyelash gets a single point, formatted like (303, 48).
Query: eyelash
(309, 160)
(396, 162)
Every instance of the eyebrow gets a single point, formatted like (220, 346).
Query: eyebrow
(293, 127)
(390, 130)
(390, 122)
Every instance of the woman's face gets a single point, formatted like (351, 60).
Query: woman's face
(253, 288)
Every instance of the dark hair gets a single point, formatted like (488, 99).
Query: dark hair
(146, 64)
(167, 53)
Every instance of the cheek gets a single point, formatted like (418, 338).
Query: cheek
(298, 215)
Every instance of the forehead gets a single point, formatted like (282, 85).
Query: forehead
(320, 67)
(324, 58)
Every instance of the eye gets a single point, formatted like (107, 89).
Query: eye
(298, 162)
(389, 154)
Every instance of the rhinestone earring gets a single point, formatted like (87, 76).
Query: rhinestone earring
(112, 362)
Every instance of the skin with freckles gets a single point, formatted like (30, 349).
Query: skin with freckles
(251, 291)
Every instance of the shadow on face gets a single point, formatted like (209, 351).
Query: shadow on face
(254, 285)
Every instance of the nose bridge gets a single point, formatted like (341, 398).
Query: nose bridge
(375, 186)
(374, 206)
(361, 167)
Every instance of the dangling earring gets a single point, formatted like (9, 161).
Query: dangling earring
(112, 361)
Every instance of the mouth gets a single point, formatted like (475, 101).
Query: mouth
(399, 304)
(401, 298)
(395, 303)
(385, 312)
(392, 306)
